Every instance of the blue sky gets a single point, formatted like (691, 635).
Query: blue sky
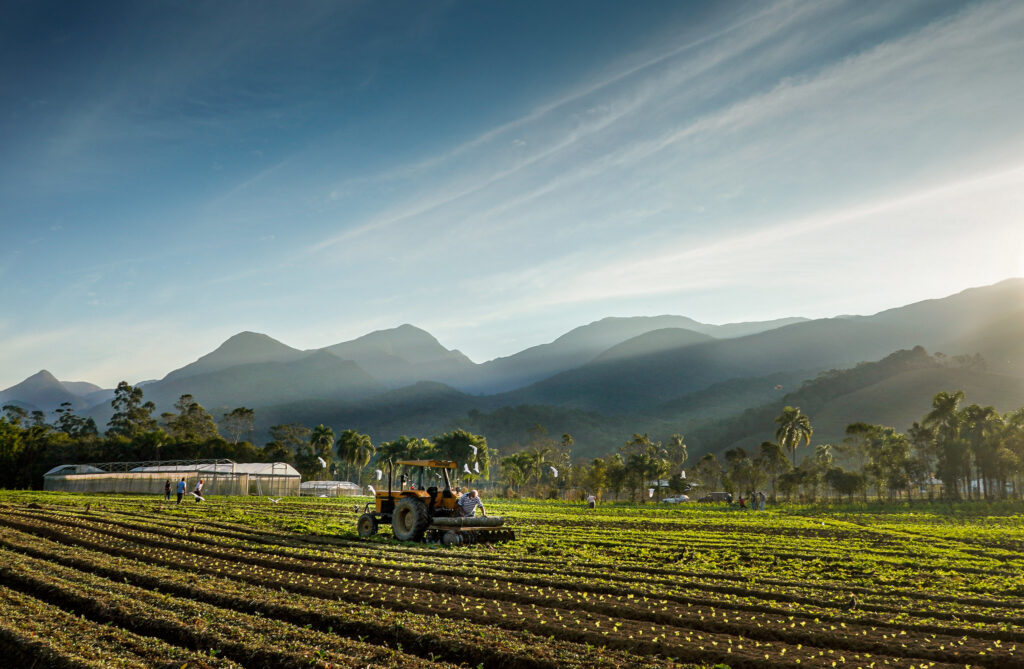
(496, 173)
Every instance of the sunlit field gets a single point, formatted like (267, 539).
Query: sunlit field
(134, 581)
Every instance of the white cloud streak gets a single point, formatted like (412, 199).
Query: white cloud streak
(627, 207)
(677, 173)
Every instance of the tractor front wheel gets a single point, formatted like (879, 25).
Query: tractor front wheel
(366, 525)
(410, 519)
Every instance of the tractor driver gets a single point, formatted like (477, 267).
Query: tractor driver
(468, 503)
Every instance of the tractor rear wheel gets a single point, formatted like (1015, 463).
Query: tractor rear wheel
(366, 525)
(410, 519)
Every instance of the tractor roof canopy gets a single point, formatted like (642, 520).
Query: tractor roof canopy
(443, 464)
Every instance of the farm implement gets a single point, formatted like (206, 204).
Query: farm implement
(422, 512)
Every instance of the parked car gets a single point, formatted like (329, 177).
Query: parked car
(717, 497)
(678, 499)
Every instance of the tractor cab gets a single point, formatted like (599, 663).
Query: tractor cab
(427, 481)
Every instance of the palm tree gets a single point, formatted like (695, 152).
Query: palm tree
(513, 471)
(945, 415)
(945, 421)
(537, 457)
(982, 427)
(677, 451)
(355, 450)
(1013, 440)
(363, 453)
(794, 427)
(773, 460)
(322, 441)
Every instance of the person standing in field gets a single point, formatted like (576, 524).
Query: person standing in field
(198, 492)
(468, 503)
(167, 490)
(592, 501)
(761, 499)
(181, 489)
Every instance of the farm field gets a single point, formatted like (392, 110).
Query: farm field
(104, 581)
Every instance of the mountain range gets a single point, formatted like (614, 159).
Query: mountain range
(603, 381)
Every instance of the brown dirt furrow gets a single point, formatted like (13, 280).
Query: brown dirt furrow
(491, 588)
(619, 631)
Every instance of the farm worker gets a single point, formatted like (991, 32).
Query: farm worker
(592, 501)
(167, 490)
(181, 489)
(761, 499)
(743, 502)
(198, 492)
(469, 502)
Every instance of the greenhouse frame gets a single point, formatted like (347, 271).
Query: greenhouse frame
(220, 477)
(330, 489)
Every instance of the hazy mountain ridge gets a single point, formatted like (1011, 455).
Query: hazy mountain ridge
(81, 388)
(964, 320)
(585, 343)
(396, 357)
(244, 348)
(894, 391)
(662, 380)
(403, 356)
(41, 391)
(423, 409)
(729, 398)
(319, 375)
(653, 342)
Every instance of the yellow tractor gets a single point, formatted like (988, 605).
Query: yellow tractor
(422, 510)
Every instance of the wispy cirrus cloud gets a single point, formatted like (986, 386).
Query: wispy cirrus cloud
(681, 185)
(661, 177)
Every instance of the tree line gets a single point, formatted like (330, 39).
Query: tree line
(953, 452)
(30, 445)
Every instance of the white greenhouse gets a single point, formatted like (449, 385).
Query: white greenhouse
(330, 488)
(220, 477)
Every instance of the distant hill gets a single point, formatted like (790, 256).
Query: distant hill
(726, 399)
(651, 343)
(41, 391)
(999, 340)
(392, 358)
(403, 356)
(422, 410)
(314, 376)
(974, 321)
(407, 355)
(244, 348)
(583, 344)
(81, 388)
(718, 384)
(895, 391)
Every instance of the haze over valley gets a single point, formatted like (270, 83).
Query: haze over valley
(604, 381)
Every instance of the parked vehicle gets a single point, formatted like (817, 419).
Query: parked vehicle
(717, 497)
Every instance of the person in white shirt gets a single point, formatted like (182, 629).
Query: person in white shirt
(592, 502)
(468, 503)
